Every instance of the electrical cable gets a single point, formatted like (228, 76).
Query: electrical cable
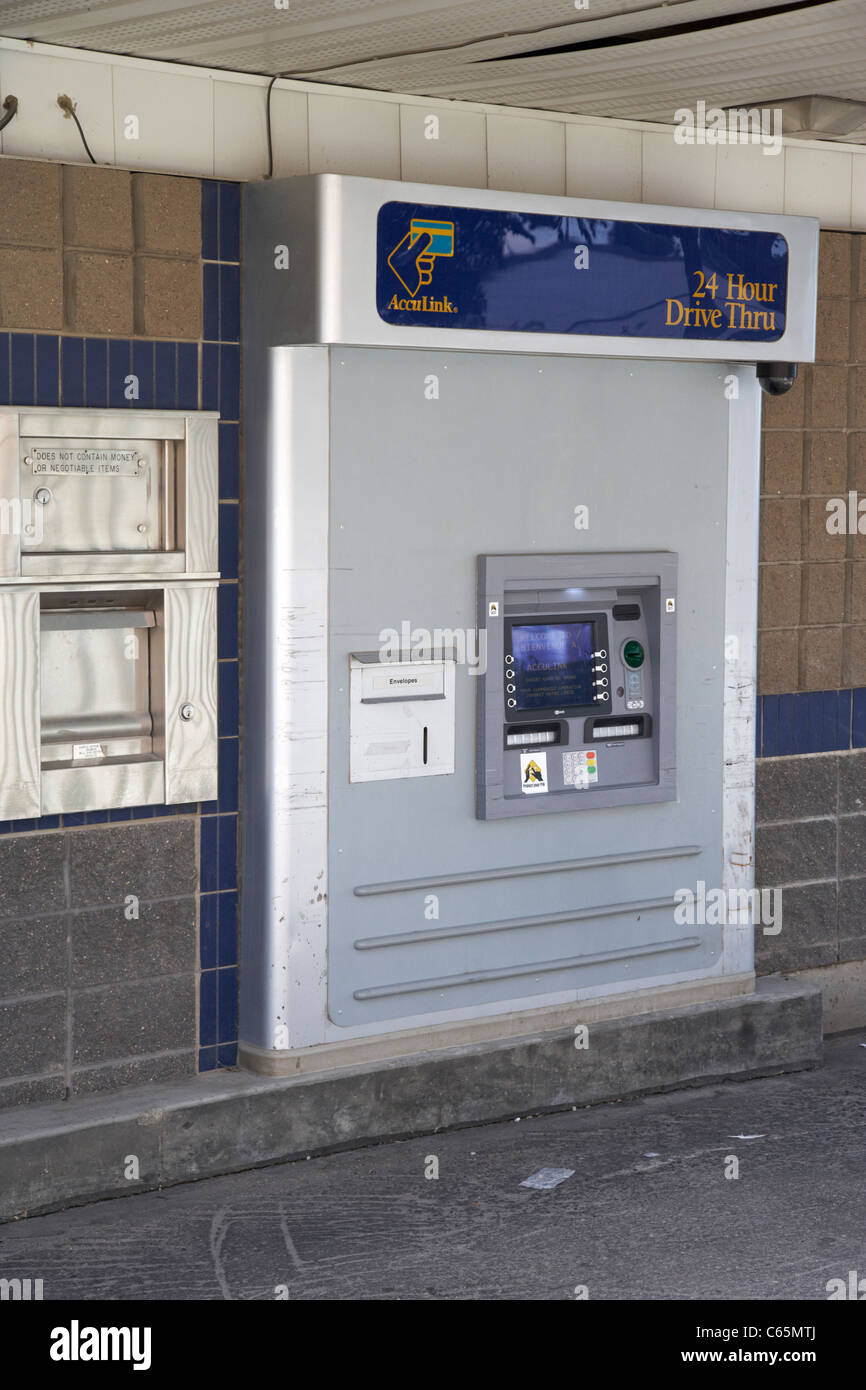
(10, 106)
(67, 105)
(270, 172)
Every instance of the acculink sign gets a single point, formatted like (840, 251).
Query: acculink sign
(513, 272)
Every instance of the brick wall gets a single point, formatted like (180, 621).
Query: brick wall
(811, 773)
(114, 283)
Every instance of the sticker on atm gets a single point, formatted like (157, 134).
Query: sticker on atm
(533, 773)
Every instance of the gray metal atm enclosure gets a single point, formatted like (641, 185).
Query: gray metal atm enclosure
(500, 615)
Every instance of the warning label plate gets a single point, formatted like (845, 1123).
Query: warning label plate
(533, 773)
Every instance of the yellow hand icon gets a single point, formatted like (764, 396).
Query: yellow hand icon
(409, 262)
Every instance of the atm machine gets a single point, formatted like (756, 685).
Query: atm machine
(501, 476)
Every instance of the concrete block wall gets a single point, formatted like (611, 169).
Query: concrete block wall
(94, 1000)
(99, 251)
(811, 814)
(811, 737)
(110, 278)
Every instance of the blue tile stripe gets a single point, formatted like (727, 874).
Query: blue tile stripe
(48, 369)
(819, 721)
(220, 390)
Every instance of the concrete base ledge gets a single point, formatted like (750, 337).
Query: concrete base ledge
(148, 1137)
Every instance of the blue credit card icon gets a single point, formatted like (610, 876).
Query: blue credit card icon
(441, 232)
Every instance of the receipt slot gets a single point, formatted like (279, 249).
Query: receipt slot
(108, 578)
(577, 708)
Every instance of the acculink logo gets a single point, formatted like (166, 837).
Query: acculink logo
(412, 261)
(77, 1343)
(737, 906)
(739, 126)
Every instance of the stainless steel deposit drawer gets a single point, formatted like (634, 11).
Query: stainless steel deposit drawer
(98, 495)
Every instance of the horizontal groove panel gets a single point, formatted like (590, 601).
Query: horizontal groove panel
(475, 977)
(546, 919)
(598, 861)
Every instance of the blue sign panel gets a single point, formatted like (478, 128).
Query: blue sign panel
(513, 272)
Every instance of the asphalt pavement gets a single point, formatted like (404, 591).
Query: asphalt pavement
(652, 1210)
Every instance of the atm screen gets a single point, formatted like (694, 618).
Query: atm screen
(552, 664)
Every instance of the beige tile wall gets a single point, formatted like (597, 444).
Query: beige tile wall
(812, 617)
(99, 251)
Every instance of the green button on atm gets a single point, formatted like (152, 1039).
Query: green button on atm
(633, 655)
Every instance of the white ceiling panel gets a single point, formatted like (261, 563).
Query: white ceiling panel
(639, 59)
(308, 34)
(810, 51)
